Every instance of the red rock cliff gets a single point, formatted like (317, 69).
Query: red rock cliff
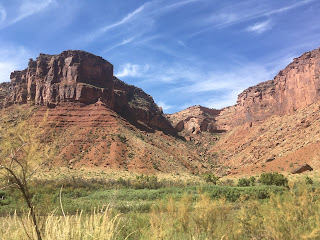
(83, 78)
(74, 76)
(295, 87)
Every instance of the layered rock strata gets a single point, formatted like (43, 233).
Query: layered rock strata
(78, 77)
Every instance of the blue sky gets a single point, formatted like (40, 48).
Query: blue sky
(181, 52)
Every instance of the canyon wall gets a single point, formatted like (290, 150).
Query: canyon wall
(295, 87)
(78, 77)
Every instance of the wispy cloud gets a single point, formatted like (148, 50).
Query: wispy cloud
(238, 79)
(123, 42)
(132, 70)
(12, 58)
(128, 18)
(173, 6)
(141, 17)
(124, 20)
(260, 27)
(31, 7)
(3, 14)
(244, 11)
(194, 85)
(165, 107)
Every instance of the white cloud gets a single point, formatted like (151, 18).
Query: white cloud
(260, 27)
(164, 106)
(12, 58)
(128, 18)
(31, 7)
(141, 18)
(242, 12)
(123, 42)
(124, 20)
(236, 80)
(3, 14)
(132, 70)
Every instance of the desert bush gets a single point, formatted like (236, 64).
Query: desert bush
(274, 178)
(210, 178)
(292, 215)
(227, 182)
(243, 182)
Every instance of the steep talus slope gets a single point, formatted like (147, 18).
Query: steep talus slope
(97, 137)
(280, 143)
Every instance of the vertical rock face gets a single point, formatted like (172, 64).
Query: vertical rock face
(81, 77)
(72, 76)
(295, 87)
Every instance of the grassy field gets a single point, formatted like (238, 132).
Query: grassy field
(146, 208)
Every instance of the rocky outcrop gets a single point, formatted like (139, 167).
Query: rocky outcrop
(195, 119)
(82, 78)
(302, 168)
(295, 87)
(135, 105)
(72, 76)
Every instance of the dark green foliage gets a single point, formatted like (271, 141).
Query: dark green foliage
(210, 178)
(274, 178)
(243, 182)
(252, 180)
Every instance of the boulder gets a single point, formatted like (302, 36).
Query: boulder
(302, 168)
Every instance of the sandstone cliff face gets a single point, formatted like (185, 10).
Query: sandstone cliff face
(195, 119)
(72, 76)
(295, 87)
(82, 78)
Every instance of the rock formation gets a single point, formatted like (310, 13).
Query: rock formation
(82, 78)
(72, 76)
(295, 87)
(302, 168)
(195, 119)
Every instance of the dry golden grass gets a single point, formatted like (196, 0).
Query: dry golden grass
(97, 225)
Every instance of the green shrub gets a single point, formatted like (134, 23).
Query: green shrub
(210, 178)
(252, 180)
(274, 178)
(243, 182)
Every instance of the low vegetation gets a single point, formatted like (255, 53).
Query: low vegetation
(147, 208)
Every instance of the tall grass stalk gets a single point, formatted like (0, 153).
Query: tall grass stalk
(97, 225)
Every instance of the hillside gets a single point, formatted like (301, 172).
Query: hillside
(103, 123)
(100, 122)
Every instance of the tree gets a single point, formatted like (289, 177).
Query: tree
(25, 147)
